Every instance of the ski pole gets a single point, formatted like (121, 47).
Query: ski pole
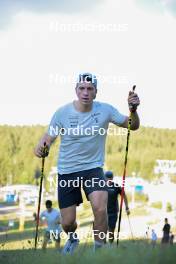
(124, 172)
(45, 152)
(130, 227)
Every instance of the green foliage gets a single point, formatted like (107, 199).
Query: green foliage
(169, 207)
(139, 197)
(145, 147)
(18, 163)
(157, 205)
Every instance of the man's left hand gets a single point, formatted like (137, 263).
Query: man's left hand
(128, 211)
(133, 101)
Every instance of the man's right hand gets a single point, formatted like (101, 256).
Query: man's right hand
(41, 151)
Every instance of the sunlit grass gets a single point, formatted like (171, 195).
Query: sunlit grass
(131, 252)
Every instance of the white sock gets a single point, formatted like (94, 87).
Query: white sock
(98, 244)
(72, 235)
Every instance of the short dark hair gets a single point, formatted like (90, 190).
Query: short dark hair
(48, 204)
(87, 77)
(109, 174)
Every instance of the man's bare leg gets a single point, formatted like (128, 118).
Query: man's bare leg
(98, 201)
(69, 219)
(57, 245)
(45, 242)
(69, 225)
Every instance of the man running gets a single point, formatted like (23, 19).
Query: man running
(153, 238)
(53, 220)
(82, 126)
(113, 206)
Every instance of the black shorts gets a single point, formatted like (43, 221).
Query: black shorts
(69, 186)
(112, 220)
(165, 239)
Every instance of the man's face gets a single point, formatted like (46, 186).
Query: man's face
(49, 209)
(86, 92)
(110, 180)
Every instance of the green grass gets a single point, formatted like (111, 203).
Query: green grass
(128, 252)
(17, 248)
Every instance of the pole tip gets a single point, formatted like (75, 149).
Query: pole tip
(134, 87)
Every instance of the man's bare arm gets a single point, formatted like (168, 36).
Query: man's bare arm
(133, 102)
(135, 121)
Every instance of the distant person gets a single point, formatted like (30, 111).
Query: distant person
(53, 220)
(171, 239)
(147, 232)
(153, 238)
(35, 216)
(113, 207)
(166, 232)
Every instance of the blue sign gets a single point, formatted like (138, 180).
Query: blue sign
(139, 188)
(10, 198)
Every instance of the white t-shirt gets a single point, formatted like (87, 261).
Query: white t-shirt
(83, 135)
(154, 236)
(51, 219)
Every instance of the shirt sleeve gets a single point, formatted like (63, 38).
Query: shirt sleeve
(42, 215)
(115, 116)
(55, 124)
(59, 215)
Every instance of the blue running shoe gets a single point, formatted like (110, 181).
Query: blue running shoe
(70, 246)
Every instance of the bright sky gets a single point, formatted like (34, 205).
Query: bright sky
(124, 42)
